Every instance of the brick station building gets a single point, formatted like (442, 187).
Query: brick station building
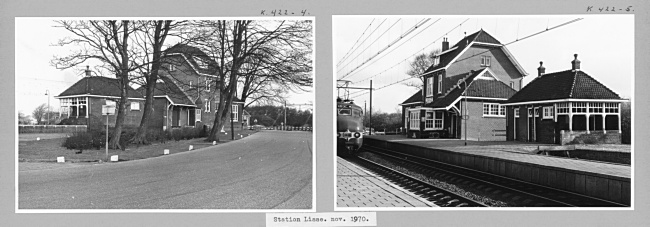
(564, 107)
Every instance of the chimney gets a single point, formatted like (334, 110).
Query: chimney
(575, 63)
(445, 44)
(88, 71)
(541, 70)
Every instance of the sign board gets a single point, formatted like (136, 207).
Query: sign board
(108, 110)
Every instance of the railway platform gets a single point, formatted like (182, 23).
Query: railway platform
(517, 160)
(359, 188)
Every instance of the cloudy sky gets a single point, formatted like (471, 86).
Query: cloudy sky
(35, 75)
(604, 44)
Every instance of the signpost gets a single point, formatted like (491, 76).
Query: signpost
(107, 110)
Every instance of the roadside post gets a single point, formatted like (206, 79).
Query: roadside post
(107, 110)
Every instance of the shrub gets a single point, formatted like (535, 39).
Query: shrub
(79, 141)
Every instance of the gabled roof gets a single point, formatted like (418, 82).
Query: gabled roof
(97, 86)
(569, 84)
(449, 56)
(170, 90)
(476, 88)
(192, 54)
(415, 98)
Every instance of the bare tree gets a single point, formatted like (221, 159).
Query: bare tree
(150, 39)
(248, 51)
(108, 42)
(39, 114)
(23, 119)
(418, 66)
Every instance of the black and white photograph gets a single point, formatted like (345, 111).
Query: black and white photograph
(470, 112)
(164, 114)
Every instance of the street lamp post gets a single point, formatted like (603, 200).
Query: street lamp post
(47, 92)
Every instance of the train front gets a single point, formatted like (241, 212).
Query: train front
(349, 127)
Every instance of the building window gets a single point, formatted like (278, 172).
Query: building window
(428, 121)
(439, 83)
(516, 112)
(436, 60)
(207, 106)
(536, 111)
(579, 107)
(485, 60)
(415, 119)
(197, 113)
(190, 84)
(135, 106)
(493, 110)
(611, 107)
(512, 84)
(207, 84)
(172, 67)
(406, 117)
(429, 86)
(438, 120)
(547, 112)
(562, 108)
(595, 107)
(235, 112)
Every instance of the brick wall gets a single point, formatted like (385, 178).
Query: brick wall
(593, 137)
(483, 128)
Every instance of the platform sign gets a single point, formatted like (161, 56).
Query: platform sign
(108, 110)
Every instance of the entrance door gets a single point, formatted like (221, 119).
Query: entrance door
(176, 113)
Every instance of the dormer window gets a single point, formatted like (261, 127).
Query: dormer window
(485, 60)
(429, 86)
(171, 67)
(440, 84)
(436, 60)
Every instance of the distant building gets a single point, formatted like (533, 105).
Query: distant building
(564, 107)
(477, 74)
(81, 103)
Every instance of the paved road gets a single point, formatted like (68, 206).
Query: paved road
(267, 170)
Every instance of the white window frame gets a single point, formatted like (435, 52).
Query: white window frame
(579, 107)
(415, 119)
(530, 112)
(207, 84)
(547, 112)
(439, 83)
(430, 86)
(428, 120)
(135, 106)
(562, 108)
(197, 114)
(485, 60)
(190, 84)
(436, 60)
(235, 113)
(612, 107)
(493, 110)
(207, 106)
(438, 122)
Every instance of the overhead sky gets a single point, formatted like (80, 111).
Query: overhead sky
(35, 75)
(604, 44)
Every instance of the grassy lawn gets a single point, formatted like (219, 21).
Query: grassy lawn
(47, 150)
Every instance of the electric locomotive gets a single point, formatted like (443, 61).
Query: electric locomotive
(349, 127)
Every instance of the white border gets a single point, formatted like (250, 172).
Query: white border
(313, 142)
(632, 183)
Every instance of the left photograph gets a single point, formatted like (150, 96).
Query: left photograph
(164, 113)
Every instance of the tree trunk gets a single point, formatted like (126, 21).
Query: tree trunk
(114, 143)
(141, 135)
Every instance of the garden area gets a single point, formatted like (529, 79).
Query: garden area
(89, 147)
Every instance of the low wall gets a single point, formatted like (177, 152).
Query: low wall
(51, 128)
(593, 137)
(611, 188)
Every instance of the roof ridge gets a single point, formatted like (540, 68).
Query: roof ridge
(573, 84)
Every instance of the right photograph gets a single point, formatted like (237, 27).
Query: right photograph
(501, 111)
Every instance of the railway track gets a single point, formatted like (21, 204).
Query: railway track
(436, 195)
(522, 194)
